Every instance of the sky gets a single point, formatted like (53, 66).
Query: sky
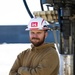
(13, 12)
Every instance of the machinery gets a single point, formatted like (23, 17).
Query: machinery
(64, 14)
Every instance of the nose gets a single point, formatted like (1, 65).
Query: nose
(35, 35)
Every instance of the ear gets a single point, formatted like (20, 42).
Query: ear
(46, 34)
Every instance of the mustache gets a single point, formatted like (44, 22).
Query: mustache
(35, 38)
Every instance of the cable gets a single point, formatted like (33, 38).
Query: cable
(41, 5)
(27, 8)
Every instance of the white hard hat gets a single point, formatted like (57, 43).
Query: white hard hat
(37, 23)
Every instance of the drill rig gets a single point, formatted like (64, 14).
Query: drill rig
(63, 13)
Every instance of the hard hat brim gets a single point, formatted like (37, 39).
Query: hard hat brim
(28, 29)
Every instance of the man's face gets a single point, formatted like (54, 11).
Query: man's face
(37, 37)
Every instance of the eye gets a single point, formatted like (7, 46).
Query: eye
(39, 33)
(31, 32)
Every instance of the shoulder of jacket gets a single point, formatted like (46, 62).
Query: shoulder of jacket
(24, 52)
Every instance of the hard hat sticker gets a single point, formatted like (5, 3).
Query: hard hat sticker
(34, 24)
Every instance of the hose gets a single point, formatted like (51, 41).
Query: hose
(27, 8)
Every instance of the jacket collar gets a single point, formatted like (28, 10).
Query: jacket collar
(44, 46)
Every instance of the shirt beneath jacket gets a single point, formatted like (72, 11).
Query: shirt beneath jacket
(42, 60)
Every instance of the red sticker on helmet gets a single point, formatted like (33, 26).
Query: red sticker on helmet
(34, 24)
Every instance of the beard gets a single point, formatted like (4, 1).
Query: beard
(37, 41)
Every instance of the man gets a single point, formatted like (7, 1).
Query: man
(42, 58)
